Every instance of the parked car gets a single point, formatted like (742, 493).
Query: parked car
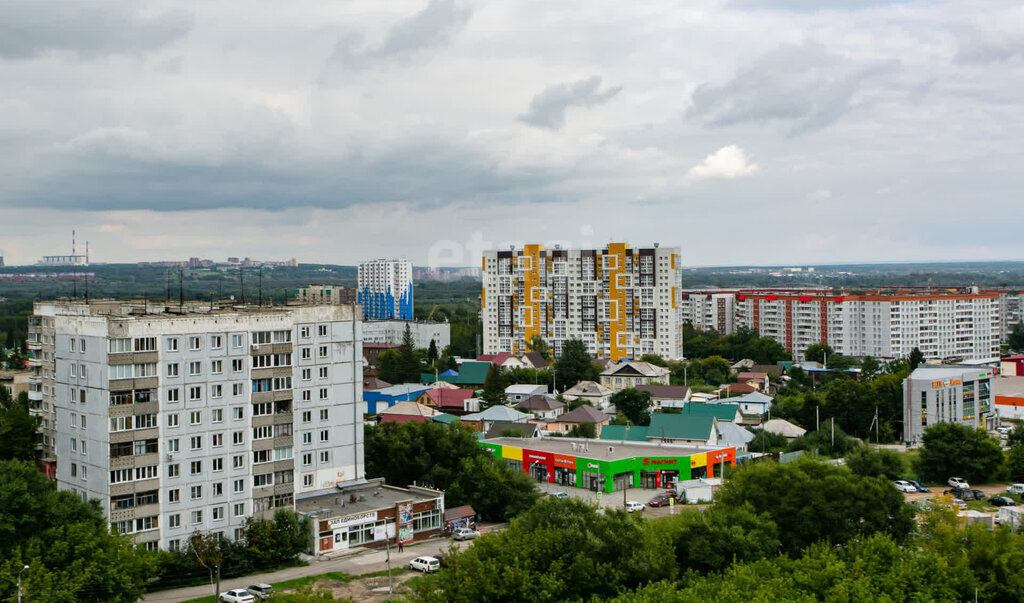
(904, 486)
(979, 495)
(465, 534)
(960, 503)
(236, 595)
(261, 591)
(958, 482)
(425, 564)
(560, 494)
(1016, 489)
(1002, 501)
(660, 500)
(920, 487)
(634, 506)
(961, 493)
(1004, 429)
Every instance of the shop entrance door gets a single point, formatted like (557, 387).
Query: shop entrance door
(539, 472)
(649, 479)
(621, 481)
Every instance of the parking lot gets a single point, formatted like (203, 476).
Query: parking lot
(614, 500)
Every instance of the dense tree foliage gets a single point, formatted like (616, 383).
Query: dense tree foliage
(66, 542)
(714, 370)
(766, 441)
(1016, 337)
(494, 387)
(17, 427)
(744, 343)
(827, 441)
(711, 541)
(951, 449)
(810, 501)
(633, 404)
(871, 462)
(447, 457)
(574, 365)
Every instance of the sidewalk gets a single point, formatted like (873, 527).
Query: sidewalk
(358, 561)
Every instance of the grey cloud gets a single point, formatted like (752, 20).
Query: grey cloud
(804, 85)
(810, 5)
(432, 27)
(991, 44)
(547, 109)
(29, 28)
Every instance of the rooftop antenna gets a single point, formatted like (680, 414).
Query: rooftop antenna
(72, 242)
(87, 252)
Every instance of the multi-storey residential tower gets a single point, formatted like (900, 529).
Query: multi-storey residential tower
(198, 418)
(385, 289)
(621, 301)
(42, 387)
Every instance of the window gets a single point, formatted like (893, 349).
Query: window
(306, 374)
(216, 391)
(307, 416)
(303, 332)
(323, 351)
(116, 423)
(173, 395)
(196, 467)
(197, 516)
(74, 466)
(74, 370)
(193, 343)
(172, 369)
(238, 437)
(142, 344)
(323, 414)
(325, 456)
(236, 389)
(307, 437)
(323, 393)
(305, 353)
(173, 470)
(218, 513)
(217, 415)
(307, 480)
(261, 456)
(172, 445)
(218, 488)
(71, 343)
(172, 344)
(196, 492)
(262, 432)
(74, 445)
(306, 395)
(195, 368)
(262, 479)
(145, 447)
(238, 486)
(325, 435)
(74, 420)
(216, 342)
(307, 458)
(321, 330)
(261, 409)
(146, 421)
(323, 372)
(238, 461)
(236, 365)
(118, 346)
(217, 367)
(195, 417)
(217, 439)
(174, 521)
(195, 393)
(196, 442)
(237, 340)
(174, 495)
(238, 412)
(283, 453)
(238, 510)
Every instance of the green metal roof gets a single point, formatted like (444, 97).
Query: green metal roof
(634, 433)
(430, 378)
(722, 412)
(680, 427)
(472, 373)
(445, 418)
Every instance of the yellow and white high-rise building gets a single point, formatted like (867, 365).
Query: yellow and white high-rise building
(621, 301)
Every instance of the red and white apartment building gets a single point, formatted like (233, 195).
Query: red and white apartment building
(886, 323)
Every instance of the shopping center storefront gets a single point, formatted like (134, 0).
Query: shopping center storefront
(599, 467)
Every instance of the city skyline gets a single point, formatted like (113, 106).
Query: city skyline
(833, 133)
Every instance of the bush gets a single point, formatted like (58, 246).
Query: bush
(868, 462)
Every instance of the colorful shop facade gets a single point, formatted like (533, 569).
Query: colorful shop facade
(601, 466)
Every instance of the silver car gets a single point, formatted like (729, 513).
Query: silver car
(465, 534)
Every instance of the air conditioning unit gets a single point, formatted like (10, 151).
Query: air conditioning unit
(254, 347)
(169, 457)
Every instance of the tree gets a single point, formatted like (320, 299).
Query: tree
(432, 352)
(388, 367)
(951, 449)
(827, 441)
(810, 501)
(766, 441)
(915, 359)
(869, 367)
(537, 344)
(711, 541)
(583, 430)
(654, 359)
(634, 404)
(715, 370)
(1016, 337)
(409, 366)
(494, 387)
(494, 490)
(207, 551)
(869, 462)
(1016, 436)
(17, 427)
(273, 542)
(1015, 463)
(818, 352)
(574, 365)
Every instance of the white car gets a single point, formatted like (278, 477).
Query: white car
(958, 482)
(465, 534)
(425, 564)
(904, 486)
(236, 595)
(1016, 489)
(634, 506)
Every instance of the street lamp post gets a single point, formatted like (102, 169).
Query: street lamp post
(19, 582)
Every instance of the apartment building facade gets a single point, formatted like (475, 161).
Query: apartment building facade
(947, 394)
(42, 386)
(887, 324)
(621, 301)
(385, 289)
(198, 419)
(709, 310)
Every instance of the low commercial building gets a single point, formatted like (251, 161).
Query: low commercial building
(370, 515)
(1008, 392)
(602, 466)
(946, 394)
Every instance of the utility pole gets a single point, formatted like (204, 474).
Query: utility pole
(19, 582)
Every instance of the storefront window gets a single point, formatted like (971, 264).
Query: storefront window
(427, 520)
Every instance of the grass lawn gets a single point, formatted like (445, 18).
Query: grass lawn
(297, 582)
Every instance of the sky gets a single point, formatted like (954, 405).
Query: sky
(741, 131)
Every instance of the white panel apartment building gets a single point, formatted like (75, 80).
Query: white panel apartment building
(710, 310)
(621, 301)
(196, 421)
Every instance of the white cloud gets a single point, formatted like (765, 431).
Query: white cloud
(727, 162)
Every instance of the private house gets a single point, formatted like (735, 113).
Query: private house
(535, 360)
(695, 429)
(520, 391)
(374, 384)
(503, 359)
(592, 392)
(584, 414)
(735, 389)
(760, 380)
(754, 403)
(731, 434)
(407, 412)
(783, 428)
(452, 401)
(722, 411)
(376, 401)
(482, 421)
(667, 396)
(505, 429)
(633, 374)
(541, 407)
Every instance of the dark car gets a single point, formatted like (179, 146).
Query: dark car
(920, 487)
(979, 495)
(1002, 501)
(660, 500)
(961, 493)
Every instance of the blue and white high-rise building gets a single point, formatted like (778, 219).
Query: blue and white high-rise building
(385, 289)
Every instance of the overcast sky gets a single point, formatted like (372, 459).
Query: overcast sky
(745, 132)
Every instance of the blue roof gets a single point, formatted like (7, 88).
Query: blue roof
(450, 373)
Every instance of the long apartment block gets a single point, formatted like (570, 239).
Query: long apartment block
(195, 418)
(943, 324)
(621, 301)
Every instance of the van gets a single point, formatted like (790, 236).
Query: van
(1016, 489)
(426, 565)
